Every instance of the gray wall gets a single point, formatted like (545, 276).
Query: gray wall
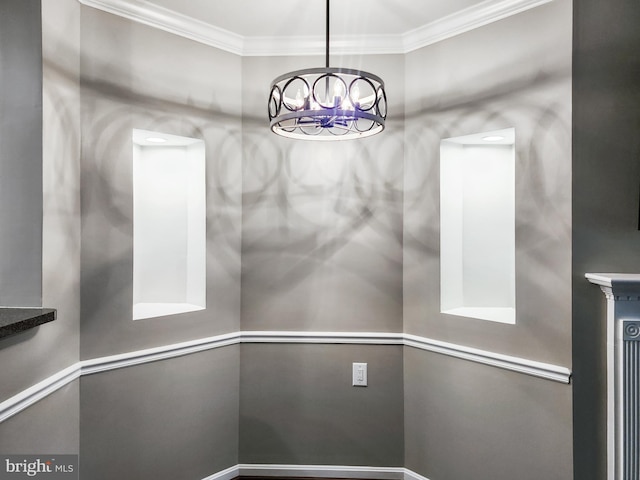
(134, 76)
(339, 237)
(179, 417)
(321, 251)
(20, 154)
(165, 420)
(50, 426)
(606, 175)
(512, 73)
(469, 421)
(298, 405)
(321, 221)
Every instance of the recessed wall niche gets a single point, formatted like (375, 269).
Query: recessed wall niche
(169, 224)
(477, 226)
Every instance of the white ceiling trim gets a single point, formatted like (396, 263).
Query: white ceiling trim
(153, 15)
(315, 45)
(148, 13)
(465, 20)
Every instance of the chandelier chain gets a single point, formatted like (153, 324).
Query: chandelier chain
(327, 39)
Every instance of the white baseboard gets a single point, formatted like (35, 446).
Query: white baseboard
(321, 471)
(227, 474)
(411, 475)
(315, 471)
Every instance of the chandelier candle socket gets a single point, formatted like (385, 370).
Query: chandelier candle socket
(327, 103)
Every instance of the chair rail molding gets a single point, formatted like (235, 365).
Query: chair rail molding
(24, 399)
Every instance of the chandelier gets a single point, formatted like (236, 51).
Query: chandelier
(327, 103)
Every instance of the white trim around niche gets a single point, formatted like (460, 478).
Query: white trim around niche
(28, 397)
(316, 471)
(148, 13)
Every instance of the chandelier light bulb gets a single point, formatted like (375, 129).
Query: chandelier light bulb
(299, 100)
(355, 94)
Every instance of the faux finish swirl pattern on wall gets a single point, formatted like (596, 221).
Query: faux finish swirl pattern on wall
(322, 223)
(513, 73)
(135, 76)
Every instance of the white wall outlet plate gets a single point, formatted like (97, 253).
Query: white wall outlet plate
(359, 374)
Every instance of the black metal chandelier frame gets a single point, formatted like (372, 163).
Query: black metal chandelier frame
(327, 103)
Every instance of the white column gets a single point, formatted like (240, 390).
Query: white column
(623, 325)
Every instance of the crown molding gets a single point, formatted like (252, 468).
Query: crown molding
(315, 45)
(148, 13)
(465, 20)
(152, 15)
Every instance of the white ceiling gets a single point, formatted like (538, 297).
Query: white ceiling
(296, 27)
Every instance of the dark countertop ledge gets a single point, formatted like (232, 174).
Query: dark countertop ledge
(16, 320)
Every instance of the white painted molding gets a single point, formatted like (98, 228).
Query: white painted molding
(507, 362)
(31, 395)
(164, 352)
(316, 471)
(103, 364)
(411, 475)
(152, 15)
(315, 45)
(465, 20)
(227, 474)
(28, 397)
(622, 291)
(148, 13)
(617, 286)
(360, 338)
(322, 471)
